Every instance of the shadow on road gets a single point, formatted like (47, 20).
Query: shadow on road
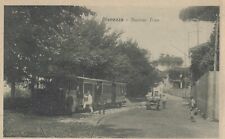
(115, 132)
(18, 104)
(134, 100)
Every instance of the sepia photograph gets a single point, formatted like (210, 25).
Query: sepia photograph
(73, 71)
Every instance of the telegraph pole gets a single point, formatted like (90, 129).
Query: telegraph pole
(189, 59)
(215, 67)
(197, 22)
(216, 44)
(197, 25)
(197, 32)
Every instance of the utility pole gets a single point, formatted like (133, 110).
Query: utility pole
(216, 44)
(197, 22)
(215, 67)
(189, 59)
(188, 45)
(197, 32)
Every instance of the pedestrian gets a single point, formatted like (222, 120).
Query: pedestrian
(85, 99)
(164, 101)
(88, 100)
(192, 109)
(100, 98)
(101, 104)
(79, 96)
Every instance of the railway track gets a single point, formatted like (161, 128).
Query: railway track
(98, 123)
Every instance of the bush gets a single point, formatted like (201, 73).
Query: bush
(21, 104)
(20, 92)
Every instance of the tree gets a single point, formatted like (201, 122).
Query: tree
(88, 51)
(201, 60)
(140, 74)
(169, 61)
(202, 55)
(97, 52)
(62, 41)
(175, 73)
(15, 31)
(30, 34)
(202, 13)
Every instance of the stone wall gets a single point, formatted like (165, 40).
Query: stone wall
(206, 93)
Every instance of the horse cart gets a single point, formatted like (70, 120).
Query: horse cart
(153, 101)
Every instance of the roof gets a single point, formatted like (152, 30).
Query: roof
(71, 76)
(92, 79)
(99, 80)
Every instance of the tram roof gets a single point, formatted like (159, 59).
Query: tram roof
(98, 80)
(92, 79)
(80, 77)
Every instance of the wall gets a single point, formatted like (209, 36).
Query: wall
(213, 96)
(206, 93)
(201, 92)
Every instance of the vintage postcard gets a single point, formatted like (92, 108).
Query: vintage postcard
(112, 70)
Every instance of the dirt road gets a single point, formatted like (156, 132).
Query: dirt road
(130, 121)
(172, 122)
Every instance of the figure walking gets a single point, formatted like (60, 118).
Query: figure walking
(192, 109)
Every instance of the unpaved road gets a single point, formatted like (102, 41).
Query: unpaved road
(130, 121)
(172, 122)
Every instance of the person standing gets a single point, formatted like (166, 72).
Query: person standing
(90, 101)
(100, 98)
(85, 99)
(192, 109)
(164, 101)
(101, 106)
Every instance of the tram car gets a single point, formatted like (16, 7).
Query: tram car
(65, 95)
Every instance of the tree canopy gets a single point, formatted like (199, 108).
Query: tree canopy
(175, 73)
(202, 56)
(31, 36)
(169, 60)
(202, 59)
(202, 13)
(67, 40)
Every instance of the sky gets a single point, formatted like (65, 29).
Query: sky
(166, 34)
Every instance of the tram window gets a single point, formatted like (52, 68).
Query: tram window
(87, 87)
(73, 85)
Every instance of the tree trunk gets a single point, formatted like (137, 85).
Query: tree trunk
(32, 94)
(13, 89)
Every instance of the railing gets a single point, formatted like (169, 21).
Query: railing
(184, 93)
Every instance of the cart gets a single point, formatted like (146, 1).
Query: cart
(153, 101)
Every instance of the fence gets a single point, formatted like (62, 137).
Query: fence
(185, 92)
(206, 93)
